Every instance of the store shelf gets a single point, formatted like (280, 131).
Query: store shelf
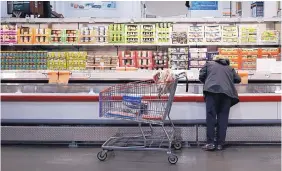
(143, 20)
(148, 45)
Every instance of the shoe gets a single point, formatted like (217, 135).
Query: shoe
(209, 147)
(219, 147)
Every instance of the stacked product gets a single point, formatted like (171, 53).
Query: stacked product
(249, 58)
(232, 54)
(270, 36)
(127, 58)
(178, 58)
(132, 33)
(269, 52)
(230, 34)
(100, 34)
(102, 62)
(71, 36)
(163, 33)
(213, 33)
(56, 61)
(196, 34)
(25, 35)
(26, 60)
(144, 59)
(248, 34)
(41, 36)
(197, 57)
(179, 38)
(116, 33)
(148, 34)
(57, 36)
(160, 59)
(8, 34)
(76, 60)
(86, 35)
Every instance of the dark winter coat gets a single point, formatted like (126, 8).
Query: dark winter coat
(219, 77)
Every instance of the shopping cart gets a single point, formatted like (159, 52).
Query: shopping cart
(148, 102)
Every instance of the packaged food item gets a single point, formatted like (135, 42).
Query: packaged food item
(248, 34)
(132, 33)
(163, 33)
(213, 33)
(270, 36)
(116, 33)
(196, 34)
(179, 38)
(178, 58)
(148, 35)
(230, 34)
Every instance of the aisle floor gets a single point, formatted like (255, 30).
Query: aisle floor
(190, 159)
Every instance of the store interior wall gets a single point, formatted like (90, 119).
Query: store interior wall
(133, 9)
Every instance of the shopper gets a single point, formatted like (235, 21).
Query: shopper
(220, 95)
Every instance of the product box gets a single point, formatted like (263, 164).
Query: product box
(42, 36)
(178, 58)
(248, 34)
(270, 36)
(8, 34)
(25, 35)
(230, 34)
(160, 60)
(144, 59)
(213, 33)
(148, 34)
(127, 58)
(196, 34)
(132, 34)
(116, 33)
(163, 33)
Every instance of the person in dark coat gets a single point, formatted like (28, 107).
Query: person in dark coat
(220, 95)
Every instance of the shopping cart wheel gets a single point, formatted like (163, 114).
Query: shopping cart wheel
(177, 145)
(172, 159)
(102, 155)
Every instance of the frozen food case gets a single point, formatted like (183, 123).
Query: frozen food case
(70, 113)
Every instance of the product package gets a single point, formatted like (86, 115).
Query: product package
(102, 62)
(148, 34)
(178, 58)
(248, 34)
(116, 33)
(197, 57)
(160, 59)
(144, 60)
(213, 33)
(230, 34)
(57, 36)
(8, 34)
(270, 36)
(25, 35)
(23, 60)
(163, 33)
(86, 35)
(127, 58)
(196, 34)
(179, 38)
(132, 33)
(71, 36)
(42, 36)
(249, 58)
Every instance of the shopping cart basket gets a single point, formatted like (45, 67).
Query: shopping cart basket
(148, 102)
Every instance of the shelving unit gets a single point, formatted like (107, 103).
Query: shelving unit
(130, 39)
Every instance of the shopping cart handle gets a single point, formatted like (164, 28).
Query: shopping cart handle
(183, 75)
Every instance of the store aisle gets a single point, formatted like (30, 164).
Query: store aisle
(190, 159)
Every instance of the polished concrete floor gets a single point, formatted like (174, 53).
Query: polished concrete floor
(190, 159)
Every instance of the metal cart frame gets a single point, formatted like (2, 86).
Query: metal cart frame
(140, 102)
